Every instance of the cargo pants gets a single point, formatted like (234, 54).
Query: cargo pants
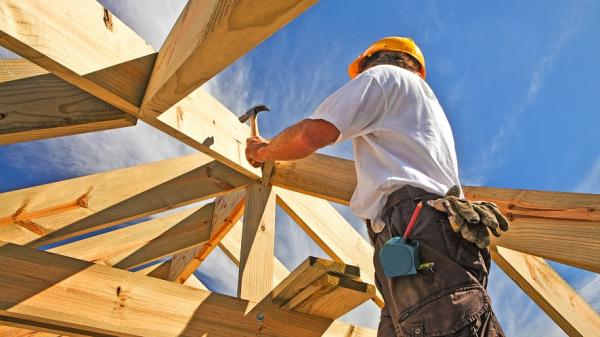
(447, 300)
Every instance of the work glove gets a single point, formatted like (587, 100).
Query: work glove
(473, 220)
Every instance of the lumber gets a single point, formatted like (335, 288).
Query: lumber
(331, 232)
(7, 331)
(331, 296)
(78, 297)
(145, 242)
(226, 211)
(82, 43)
(339, 329)
(232, 243)
(308, 272)
(43, 106)
(44, 214)
(257, 250)
(560, 226)
(207, 37)
(563, 227)
(549, 291)
(319, 175)
(16, 69)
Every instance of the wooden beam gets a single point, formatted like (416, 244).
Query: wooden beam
(331, 296)
(257, 251)
(564, 227)
(16, 69)
(232, 243)
(135, 245)
(551, 293)
(331, 232)
(226, 211)
(207, 37)
(76, 40)
(44, 106)
(77, 297)
(49, 213)
(319, 175)
(308, 272)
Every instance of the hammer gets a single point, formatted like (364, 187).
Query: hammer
(252, 115)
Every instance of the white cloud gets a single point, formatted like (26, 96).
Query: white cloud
(591, 181)
(495, 153)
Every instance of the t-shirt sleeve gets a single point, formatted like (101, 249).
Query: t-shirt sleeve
(355, 108)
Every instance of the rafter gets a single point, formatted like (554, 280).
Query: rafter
(52, 212)
(551, 293)
(257, 250)
(37, 105)
(328, 228)
(77, 297)
(89, 39)
(135, 245)
(207, 37)
(560, 226)
(226, 211)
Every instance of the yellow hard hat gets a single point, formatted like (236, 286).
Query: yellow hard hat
(392, 43)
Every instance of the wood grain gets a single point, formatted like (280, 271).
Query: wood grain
(207, 37)
(331, 232)
(44, 106)
(80, 297)
(40, 215)
(76, 40)
(227, 210)
(257, 251)
(551, 293)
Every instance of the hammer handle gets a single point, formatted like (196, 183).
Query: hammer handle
(254, 127)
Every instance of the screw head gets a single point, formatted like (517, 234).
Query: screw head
(260, 317)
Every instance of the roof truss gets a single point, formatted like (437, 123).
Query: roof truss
(110, 85)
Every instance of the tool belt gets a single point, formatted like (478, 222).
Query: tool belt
(449, 296)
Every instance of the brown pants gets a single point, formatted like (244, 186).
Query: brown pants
(447, 300)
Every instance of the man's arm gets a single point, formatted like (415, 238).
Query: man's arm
(296, 142)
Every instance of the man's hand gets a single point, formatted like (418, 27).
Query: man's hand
(253, 145)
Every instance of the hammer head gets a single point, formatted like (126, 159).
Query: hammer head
(253, 112)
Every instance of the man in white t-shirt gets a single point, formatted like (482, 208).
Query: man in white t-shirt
(404, 153)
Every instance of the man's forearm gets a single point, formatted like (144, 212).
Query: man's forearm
(299, 140)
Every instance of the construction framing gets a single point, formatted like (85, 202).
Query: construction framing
(84, 70)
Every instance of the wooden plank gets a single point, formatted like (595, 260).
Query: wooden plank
(16, 69)
(564, 227)
(257, 251)
(331, 232)
(226, 211)
(45, 106)
(319, 175)
(551, 293)
(232, 243)
(80, 297)
(308, 272)
(145, 242)
(207, 37)
(339, 329)
(77, 40)
(331, 296)
(7, 331)
(44, 214)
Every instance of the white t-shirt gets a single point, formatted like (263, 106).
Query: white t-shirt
(400, 136)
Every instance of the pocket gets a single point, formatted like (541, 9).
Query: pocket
(445, 312)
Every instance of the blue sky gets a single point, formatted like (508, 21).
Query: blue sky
(517, 79)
